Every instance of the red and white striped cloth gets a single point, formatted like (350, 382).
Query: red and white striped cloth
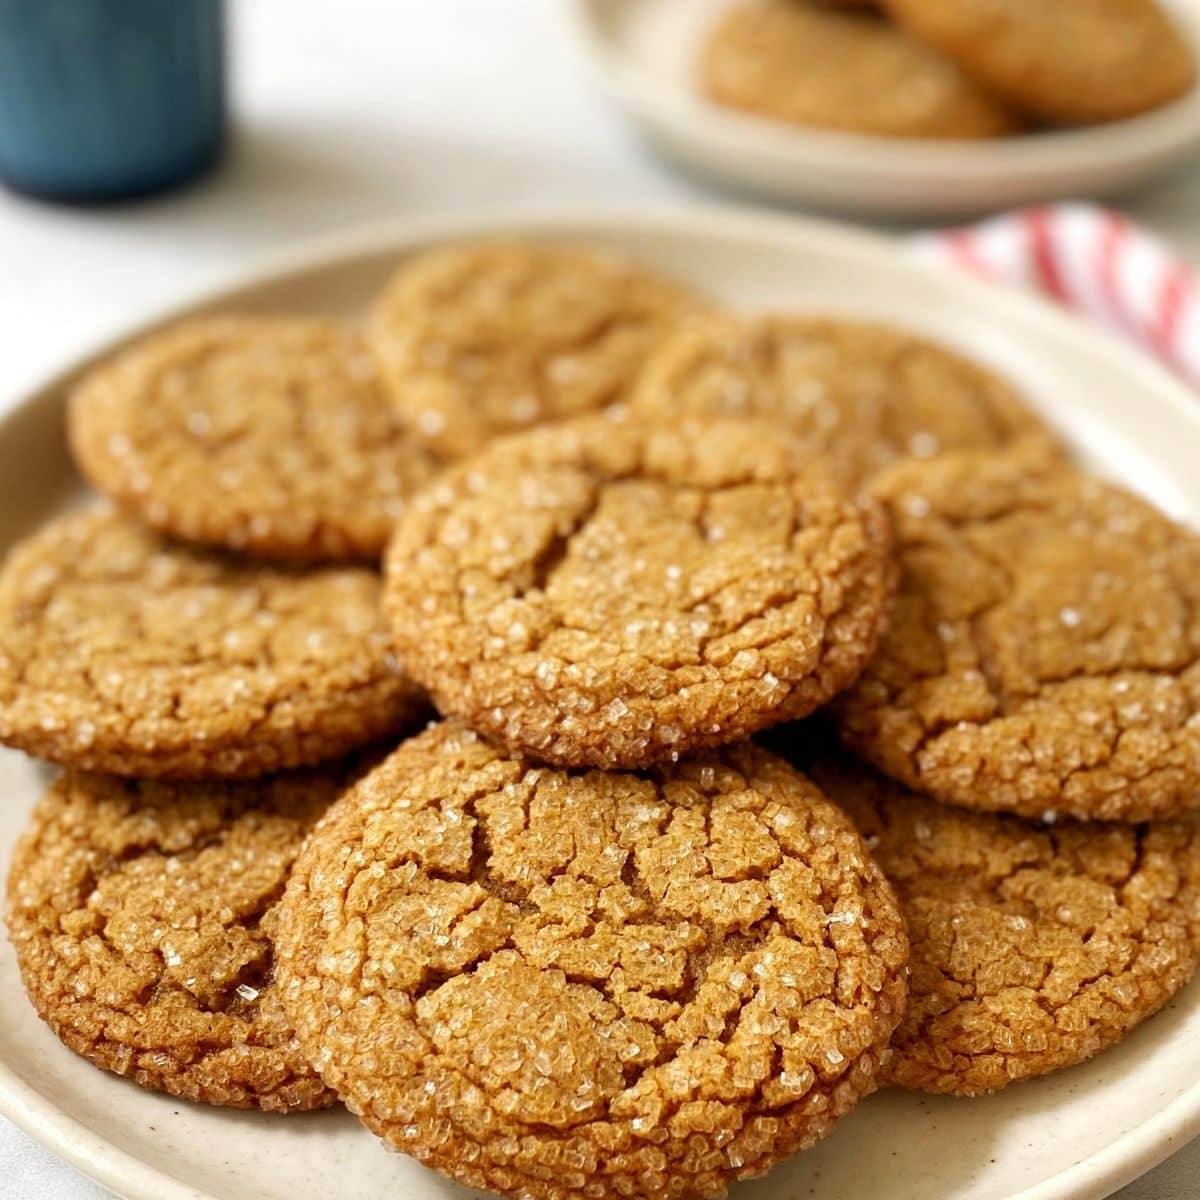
(1092, 260)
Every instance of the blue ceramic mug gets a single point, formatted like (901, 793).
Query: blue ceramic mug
(106, 99)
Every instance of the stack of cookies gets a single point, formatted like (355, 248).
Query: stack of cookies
(946, 68)
(583, 935)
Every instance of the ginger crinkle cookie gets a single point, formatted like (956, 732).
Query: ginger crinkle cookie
(1044, 654)
(142, 915)
(122, 652)
(1067, 61)
(485, 339)
(272, 435)
(1033, 946)
(557, 984)
(835, 68)
(859, 395)
(603, 593)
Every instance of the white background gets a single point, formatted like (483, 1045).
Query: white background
(349, 111)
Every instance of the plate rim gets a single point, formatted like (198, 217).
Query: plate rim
(122, 1172)
(1160, 135)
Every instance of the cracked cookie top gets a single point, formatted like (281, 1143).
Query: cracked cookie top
(1033, 946)
(810, 64)
(1044, 654)
(552, 984)
(602, 593)
(271, 435)
(123, 652)
(479, 340)
(858, 395)
(142, 915)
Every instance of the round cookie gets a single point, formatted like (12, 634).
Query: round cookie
(1045, 649)
(859, 395)
(603, 593)
(1073, 61)
(272, 435)
(1033, 946)
(552, 984)
(142, 915)
(836, 69)
(122, 652)
(485, 339)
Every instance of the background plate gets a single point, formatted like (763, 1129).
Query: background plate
(1080, 1134)
(645, 51)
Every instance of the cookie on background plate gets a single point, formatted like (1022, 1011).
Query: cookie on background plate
(123, 652)
(551, 984)
(858, 394)
(605, 593)
(1070, 61)
(1033, 946)
(142, 915)
(833, 68)
(484, 339)
(271, 435)
(1044, 654)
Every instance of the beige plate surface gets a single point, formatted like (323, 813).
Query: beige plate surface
(644, 55)
(1080, 1134)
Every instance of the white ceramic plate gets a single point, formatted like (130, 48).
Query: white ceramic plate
(645, 51)
(1080, 1134)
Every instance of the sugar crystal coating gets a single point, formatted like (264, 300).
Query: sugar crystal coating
(142, 915)
(807, 63)
(271, 435)
(123, 652)
(604, 593)
(1034, 946)
(558, 984)
(858, 395)
(483, 339)
(1045, 648)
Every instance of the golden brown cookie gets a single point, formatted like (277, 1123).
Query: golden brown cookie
(142, 915)
(122, 652)
(1066, 61)
(601, 593)
(821, 66)
(1045, 649)
(484, 339)
(858, 394)
(1033, 946)
(554, 984)
(272, 435)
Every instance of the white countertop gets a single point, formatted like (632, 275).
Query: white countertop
(351, 111)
